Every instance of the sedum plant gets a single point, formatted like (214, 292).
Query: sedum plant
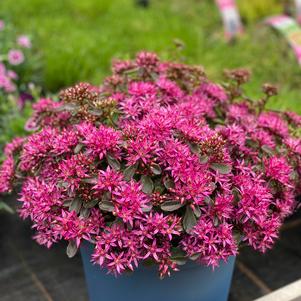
(158, 164)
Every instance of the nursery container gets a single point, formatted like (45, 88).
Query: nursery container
(192, 283)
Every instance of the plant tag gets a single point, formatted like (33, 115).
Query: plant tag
(231, 18)
(290, 29)
(298, 10)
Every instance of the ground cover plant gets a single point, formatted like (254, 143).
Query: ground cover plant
(157, 164)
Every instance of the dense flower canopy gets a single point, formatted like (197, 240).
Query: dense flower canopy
(157, 164)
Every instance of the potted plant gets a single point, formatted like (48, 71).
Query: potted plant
(17, 88)
(158, 171)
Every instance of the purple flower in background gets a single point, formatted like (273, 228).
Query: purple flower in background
(24, 41)
(15, 57)
(24, 97)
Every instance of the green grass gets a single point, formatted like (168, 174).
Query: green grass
(79, 38)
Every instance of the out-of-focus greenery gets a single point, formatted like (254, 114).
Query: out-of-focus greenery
(254, 10)
(79, 38)
(12, 120)
(17, 82)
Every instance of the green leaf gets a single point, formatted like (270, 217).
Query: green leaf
(84, 212)
(267, 150)
(156, 169)
(189, 220)
(130, 171)
(78, 148)
(208, 200)
(252, 143)
(4, 206)
(237, 236)
(67, 107)
(169, 183)
(90, 180)
(106, 206)
(159, 188)
(75, 205)
(106, 196)
(236, 195)
(62, 184)
(114, 163)
(71, 249)
(194, 148)
(204, 159)
(197, 212)
(178, 256)
(221, 168)
(177, 252)
(90, 204)
(195, 256)
(147, 208)
(147, 184)
(96, 112)
(170, 206)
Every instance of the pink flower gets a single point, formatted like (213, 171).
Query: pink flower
(64, 142)
(15, 57)
(75, 228)
(117, 249)
(169, 91)
(73, 169)
(108, 180)
(13, 146)
(264, 138)
(262, 236)
(212, 244)
(141, 149)
(147, 59)
(24, 41)
(101, 141)
(223, 207)
(274, 123)
(119, 66)
(129, 201)
(278, 169)
(213, 91)
(11, 74)
(37, 147)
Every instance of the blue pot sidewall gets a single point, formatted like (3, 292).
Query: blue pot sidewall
(193, 282)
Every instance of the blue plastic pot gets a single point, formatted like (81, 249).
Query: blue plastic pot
(192, 283)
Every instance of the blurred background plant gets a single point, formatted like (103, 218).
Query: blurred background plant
(79, 38)
(256, 10)
(19, 85)
(19, 79)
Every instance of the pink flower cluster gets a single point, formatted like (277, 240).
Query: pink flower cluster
(157, 164)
